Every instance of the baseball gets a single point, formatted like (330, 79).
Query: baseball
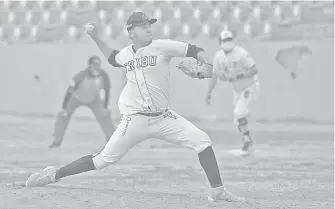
(90, 27)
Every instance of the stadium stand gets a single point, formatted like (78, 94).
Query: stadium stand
(47, 21)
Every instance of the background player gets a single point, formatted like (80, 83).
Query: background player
(144, 103)
(89, 87)
(233, 63)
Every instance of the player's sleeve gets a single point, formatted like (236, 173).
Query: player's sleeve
(114, 60)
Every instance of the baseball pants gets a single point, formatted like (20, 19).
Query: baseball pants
(243, 101)
(101, 114)
(134, 129)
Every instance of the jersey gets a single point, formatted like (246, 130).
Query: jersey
(88, 88)
(233, 63)
(148, 75)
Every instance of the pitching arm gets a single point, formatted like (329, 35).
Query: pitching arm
(109, 53)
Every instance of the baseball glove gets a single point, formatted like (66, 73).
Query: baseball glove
(195, 68)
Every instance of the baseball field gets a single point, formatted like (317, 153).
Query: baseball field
(292, 167)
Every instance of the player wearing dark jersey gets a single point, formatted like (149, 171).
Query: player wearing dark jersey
(89, 87)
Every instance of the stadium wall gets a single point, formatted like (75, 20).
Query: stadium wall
(34, 79)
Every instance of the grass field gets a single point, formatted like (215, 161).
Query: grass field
(291, 168)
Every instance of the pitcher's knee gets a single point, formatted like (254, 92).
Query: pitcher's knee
(102, 161)
(202, 142)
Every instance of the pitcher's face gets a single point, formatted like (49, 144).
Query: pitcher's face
(142, 33)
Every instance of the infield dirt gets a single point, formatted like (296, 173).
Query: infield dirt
(291, 168)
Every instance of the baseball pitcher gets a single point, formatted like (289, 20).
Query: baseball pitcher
(144, 103)
(233, 63)
(89, 87)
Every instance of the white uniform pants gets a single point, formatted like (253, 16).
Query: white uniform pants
(134, 129)
(243, 101)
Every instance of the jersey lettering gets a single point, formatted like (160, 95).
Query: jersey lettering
(141, 62)
(144, 61)
(130, 65)
(152, 60)
(148, 90)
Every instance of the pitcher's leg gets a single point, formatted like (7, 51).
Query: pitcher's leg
(104, 119)
(130, 132)
(62, 122)
(176, 129)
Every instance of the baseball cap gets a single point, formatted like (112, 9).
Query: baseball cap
(94, 60)
(225, 35)
(138, 18)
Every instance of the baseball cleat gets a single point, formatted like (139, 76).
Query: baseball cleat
(220, 193)
(244, 153)
(42, 178)
(53, 146)
(247, 148)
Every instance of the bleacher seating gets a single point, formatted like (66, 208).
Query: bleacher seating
(43, 20)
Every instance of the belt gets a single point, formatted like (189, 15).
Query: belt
(152, 114)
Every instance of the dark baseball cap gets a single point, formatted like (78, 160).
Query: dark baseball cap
(138, 18)
(94, 59)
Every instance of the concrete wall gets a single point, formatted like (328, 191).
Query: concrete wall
(310, 96)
